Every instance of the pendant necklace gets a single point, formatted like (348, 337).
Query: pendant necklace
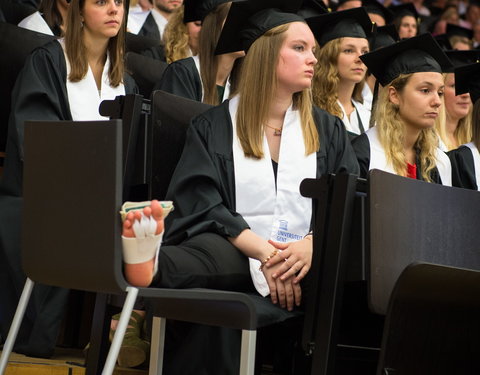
(277, 131)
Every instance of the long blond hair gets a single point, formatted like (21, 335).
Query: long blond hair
(77, 52)
(463, 132)
(391, 133)
(326, 79)
(257, 89)
(175, 37)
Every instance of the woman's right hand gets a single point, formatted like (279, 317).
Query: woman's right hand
(287, 293)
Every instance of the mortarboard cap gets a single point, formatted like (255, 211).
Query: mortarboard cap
(455, 30)
(407, 9)
(443, 42)
(375, 7)
(460, 58)
(313, 8)
(418, 54)
(249, 19)
(353, 23)
(383, 36)
(197, 10)
(467, 79)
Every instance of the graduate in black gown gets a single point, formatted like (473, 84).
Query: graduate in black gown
(403, 140)
(340, 77)
(236, 187)
(52, 86)
(466, 159)
(205, 77)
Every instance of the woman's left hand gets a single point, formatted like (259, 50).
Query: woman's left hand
(296, 257)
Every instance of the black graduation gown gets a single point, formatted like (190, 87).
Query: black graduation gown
(182, 78)
(361, 146)
(150, 28)
(463, 168)
(207, 164)
(39, 94)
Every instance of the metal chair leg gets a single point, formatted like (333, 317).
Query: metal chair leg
(247, 356)
(17, 321)
(157, 346)
(120, 331)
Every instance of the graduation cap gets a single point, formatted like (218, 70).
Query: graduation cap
(383, 36)
(460, 58)
(197, 10)
(353, 23)
(467, 79)
(443, 42)
(249, 19)
(373, 6)
(312, 8)
(418, 54)
(407, 9)
(455, 30)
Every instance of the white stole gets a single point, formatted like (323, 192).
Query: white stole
(35, 22)
(284, 215)
(226, 92)
(378, 158)
(476, 162)
(83, 96)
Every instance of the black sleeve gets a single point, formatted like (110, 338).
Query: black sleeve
(181, 79)
(361, 147)
(463, 168)
(39, 94)
(202, 201)
(335, 146)
(130, 84)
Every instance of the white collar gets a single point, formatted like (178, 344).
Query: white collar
(83, 96)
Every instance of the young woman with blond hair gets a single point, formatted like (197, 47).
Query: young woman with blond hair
(180, 38)
(236, 186)
(340, 74)
(404, 140)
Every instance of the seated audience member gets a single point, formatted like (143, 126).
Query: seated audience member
(404, 140)
(454, 123)
(466, 159)
(63, 80)
(459, 37)
(378, 14)
(182, 33)
(205, 77)
(340, 74)
(449, 16)
(405, 20)
(152, 23)
(236, 187)
(50, 18)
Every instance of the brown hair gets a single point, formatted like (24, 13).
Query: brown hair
(257, 89)
(50, 12)
(77, 52)
(211, 29)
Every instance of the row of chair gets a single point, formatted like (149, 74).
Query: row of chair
(361, 234)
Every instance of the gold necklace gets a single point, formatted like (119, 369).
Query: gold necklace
(278, 131)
